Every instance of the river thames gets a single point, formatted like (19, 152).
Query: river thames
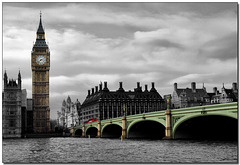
(103, 150)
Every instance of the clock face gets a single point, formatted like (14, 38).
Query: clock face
(40, 60)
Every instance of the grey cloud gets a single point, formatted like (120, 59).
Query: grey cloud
(99, 49)
(164, 43)
(222, 48)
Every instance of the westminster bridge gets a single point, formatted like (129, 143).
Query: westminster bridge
(219, 120)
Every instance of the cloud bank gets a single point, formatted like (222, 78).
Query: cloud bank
(129, 42)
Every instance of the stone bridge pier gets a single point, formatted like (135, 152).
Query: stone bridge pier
(168, 132)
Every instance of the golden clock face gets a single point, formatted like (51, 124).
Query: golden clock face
(40, 60)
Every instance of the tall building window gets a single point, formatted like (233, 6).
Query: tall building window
(38, 77)
(43, 124)
(12, 123)
(43, 114)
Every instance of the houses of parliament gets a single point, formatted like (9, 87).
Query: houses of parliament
(20, 114)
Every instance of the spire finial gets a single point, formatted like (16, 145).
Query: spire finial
(40, 14)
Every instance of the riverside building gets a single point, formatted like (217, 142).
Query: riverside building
(189, 97)
(101, 103)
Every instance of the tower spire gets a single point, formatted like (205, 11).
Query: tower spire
(40, 27)
(19, 74)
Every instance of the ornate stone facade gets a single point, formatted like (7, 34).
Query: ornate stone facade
(69, 115)
(12, 107)
(40, 82)
(189, 97)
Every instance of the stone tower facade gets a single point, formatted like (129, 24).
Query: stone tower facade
(40, 82)
(11, 108)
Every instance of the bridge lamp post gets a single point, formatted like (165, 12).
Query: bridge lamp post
(99, 126)
(168, 102)
(124, 110)
(124, 123)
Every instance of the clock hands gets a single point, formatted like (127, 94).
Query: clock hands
(40, 60)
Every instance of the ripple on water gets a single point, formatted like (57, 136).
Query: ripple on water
(83, 150)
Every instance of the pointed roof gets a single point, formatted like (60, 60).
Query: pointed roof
(19, 74)
(5, 73)
(69, 100)
(40, 27)
(64, 103)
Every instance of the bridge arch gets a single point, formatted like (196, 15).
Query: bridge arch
(92, 131)
(189, 117)
(113, 130)
(161, 123)
(106, 125)
(78, 133)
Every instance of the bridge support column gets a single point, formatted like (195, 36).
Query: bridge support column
(168, 125)
(83, 131)
(99, 129)
(124, 127)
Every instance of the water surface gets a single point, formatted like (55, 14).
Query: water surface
(95, 150)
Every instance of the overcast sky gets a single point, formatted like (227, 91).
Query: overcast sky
(123, 42)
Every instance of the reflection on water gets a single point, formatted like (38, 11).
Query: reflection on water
(95, 150)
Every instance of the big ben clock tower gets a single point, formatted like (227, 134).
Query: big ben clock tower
(40, 82)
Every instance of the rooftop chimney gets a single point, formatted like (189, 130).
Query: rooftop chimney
(105, 86)
(234, 87)
(175, 86)
(193, 85)
(120, 84)
(153, 85)
(146, 88)
(100, 86)
(96, 89)
(138, 85)
(89, 92)
(92, 91)
(215, 90)
(153, 88)
(120, 87)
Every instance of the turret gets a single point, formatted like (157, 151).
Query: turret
(19, 80)
(69, 100)
(5, 79)
(64, 103)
